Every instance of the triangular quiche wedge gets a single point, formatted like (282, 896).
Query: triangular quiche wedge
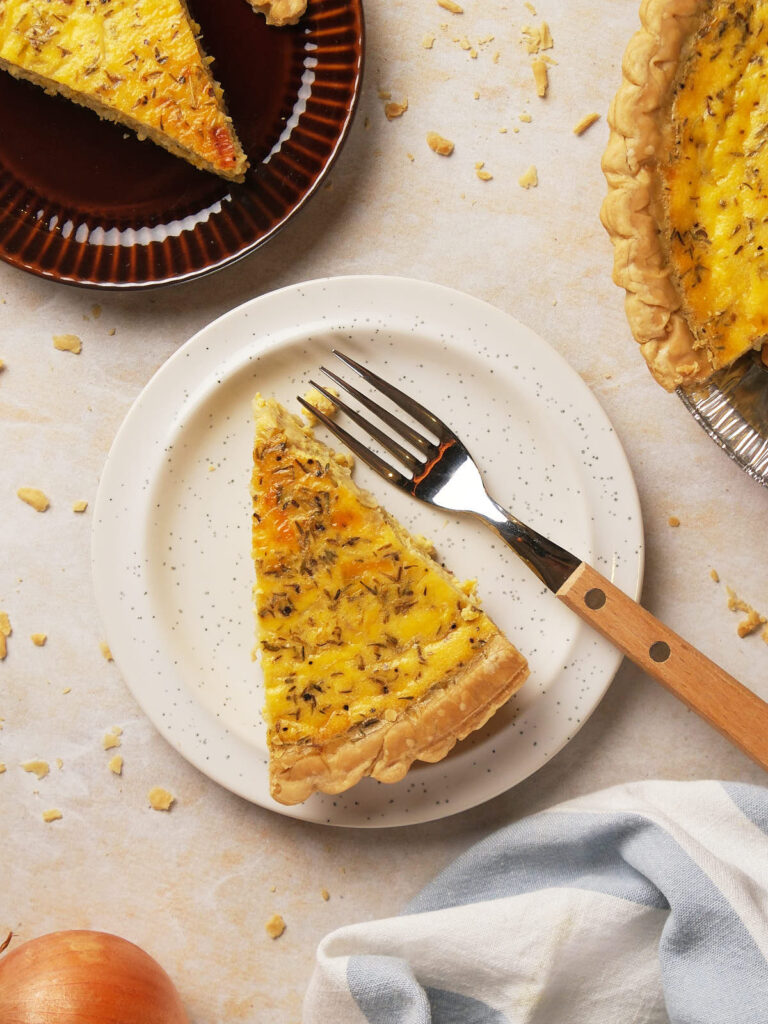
(687, 169)
(137, 62)
(373, 655)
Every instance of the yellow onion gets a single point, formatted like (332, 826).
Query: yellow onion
(85, 977)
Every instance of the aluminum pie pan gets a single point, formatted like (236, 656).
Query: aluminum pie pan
(732, 407)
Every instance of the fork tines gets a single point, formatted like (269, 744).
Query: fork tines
(427, 419)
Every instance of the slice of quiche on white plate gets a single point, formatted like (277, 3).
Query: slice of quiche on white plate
(374, 656)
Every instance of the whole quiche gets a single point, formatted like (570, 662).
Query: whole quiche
(687, 169)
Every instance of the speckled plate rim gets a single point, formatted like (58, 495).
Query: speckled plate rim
(569, 472)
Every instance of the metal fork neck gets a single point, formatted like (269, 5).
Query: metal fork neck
(551, 563)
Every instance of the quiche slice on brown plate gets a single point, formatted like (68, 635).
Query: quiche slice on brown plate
(687, 168)
(373, 654)
(137, 62)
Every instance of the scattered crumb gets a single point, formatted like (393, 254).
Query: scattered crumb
(428, 41)
(112, 738)
(525, 117)
(714, 575)
(449, 5)
(673, 521)
(67, 689)
(59, 763)
(531, 8)
(584, 123)
(385, 94)
(529, 178)
(536, 39)
(540, 76)
(502, 131)
(482, 174)
(325, 894)
(275, 926)
(115, 765)
(80, 506)
(320, 402)
(104, 648)
(160, 799)
(68, 343)
(96, 311)
(52, 815)
(753, 618)
(5, 632)
(39, 768)
(2, 365)
(35, 497)
(2, 768)
(394, 109)
(438, 144)
(38, 639)
(411, 157)
(496, 57)
(112, 332)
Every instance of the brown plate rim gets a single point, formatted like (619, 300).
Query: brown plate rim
(10, 218)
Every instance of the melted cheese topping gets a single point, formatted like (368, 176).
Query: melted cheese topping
(718, 180)
(355, 622)
(136, 60)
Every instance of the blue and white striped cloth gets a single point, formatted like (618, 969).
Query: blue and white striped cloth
(643, 903)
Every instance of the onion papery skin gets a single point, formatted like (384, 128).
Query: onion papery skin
(85, 977)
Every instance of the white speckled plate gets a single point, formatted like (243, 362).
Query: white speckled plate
(171, 544)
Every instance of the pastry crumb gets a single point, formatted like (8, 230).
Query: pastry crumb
(160, 799)
(5, 632)
(79, 506)
(450, 5)
(38, 768)
(483, 174)
(2, 365)
(586, 122)
(714, 575)
(673, 521)
(394, 109)
(35, 497)
(438, 144)
(535, 38)
(39, 639)
(112, 738)
(428, 41)
(52, 815)
(104, 648)
(275, 926)
(540, 76)
(529, 178)
(68, 343)
(753, 619)
(320, 402)
(325, 895)
(115, 764)
(525, 118)
(2, 767)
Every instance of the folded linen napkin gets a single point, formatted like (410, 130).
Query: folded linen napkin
(643, 903)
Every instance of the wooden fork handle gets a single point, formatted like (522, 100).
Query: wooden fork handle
(703, 686)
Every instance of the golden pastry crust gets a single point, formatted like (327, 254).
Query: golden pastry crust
(446, 666)
(425, 732)
(632, 212)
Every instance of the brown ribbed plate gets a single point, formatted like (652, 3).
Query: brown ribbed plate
(85, 202)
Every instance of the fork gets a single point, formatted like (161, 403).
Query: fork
(444, 474)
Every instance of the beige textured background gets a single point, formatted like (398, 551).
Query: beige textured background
(195, 886)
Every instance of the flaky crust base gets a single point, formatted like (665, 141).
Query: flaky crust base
(426, 732)
(632, 212)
